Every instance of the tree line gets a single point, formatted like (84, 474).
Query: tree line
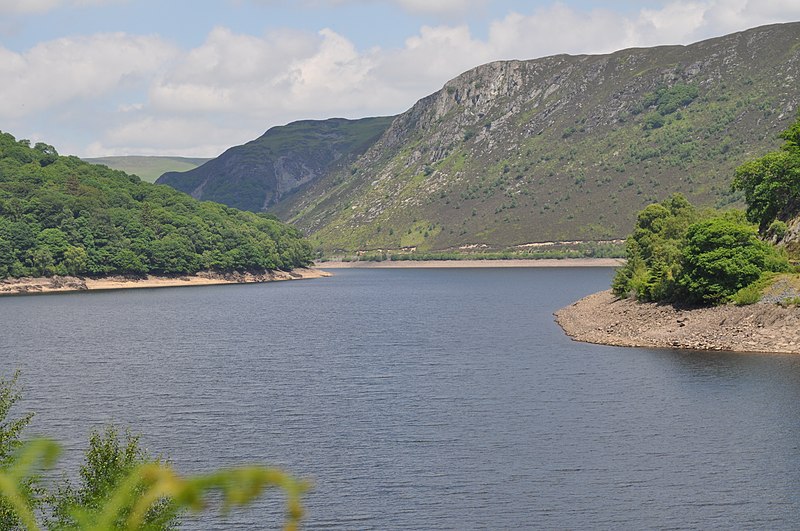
(62, 216)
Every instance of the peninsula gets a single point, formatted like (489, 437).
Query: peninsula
(605, 319)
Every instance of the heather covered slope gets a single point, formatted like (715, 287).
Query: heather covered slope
(256, 175)
(560, 148)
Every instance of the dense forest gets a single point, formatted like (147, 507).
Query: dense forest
(62, 216)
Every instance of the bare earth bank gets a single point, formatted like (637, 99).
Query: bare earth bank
(17, 286)
(544, 262)
(604, 319)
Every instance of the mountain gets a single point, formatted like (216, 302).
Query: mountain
(61, 215)
(553, 149)
(148, 168)
(256, 175)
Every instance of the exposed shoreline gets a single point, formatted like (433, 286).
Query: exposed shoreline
(29, 285)
(604, 319)
(543, 262)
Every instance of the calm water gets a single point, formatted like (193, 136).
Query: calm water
(419, 399)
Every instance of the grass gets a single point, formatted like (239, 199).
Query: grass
(782, 287)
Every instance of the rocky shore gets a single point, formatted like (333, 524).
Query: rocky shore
(28, 285)
(604, 319)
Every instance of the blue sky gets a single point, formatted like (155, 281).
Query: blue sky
(181, 77)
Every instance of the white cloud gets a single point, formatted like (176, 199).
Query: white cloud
(148, 135)
(146, 96)
(28, 6)
(52, 73)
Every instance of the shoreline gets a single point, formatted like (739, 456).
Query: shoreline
(603, 319)
(542, 262)
(57, 284)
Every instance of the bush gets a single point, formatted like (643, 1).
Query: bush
(748, 295)
(721, 256)
(777, 230)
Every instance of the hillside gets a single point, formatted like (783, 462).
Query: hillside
(560, 148)
(284, 159)
(63, 216)
(148, 168)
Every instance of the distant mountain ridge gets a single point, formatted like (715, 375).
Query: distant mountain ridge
(558, 148)
(260, 173)
(148, 168)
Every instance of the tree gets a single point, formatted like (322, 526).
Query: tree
(723, 255)
(110, 459)
(75, 260)
(771, 184)
(654, 251)
(51, 210)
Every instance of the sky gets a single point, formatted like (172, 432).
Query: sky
(194, 77)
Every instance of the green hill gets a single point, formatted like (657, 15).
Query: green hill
(148, 168)
(61, 215)
(561, 148)
(279, 163)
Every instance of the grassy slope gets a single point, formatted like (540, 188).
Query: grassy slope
(576, 162)
(148, 168)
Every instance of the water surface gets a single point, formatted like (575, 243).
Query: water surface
(418, 399)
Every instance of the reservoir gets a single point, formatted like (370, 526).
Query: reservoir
(417, 399)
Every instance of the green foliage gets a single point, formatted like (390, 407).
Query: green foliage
(654, 265)
(771, 184)
(747, 295)
(777, 229)
(120, 486)
(667, 100)
(723, 255)
(129, 502)
(10, 431)
(678, 254)
(60, 215)
(109, 461)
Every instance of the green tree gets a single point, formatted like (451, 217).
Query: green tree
(174, 254)
(723, 255)
(75, 260)
(110, 460)
(128, 262)
(771, 184)
(654, 251)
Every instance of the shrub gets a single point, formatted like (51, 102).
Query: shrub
(721, 256)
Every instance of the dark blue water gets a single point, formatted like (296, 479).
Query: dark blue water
(418, 399)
